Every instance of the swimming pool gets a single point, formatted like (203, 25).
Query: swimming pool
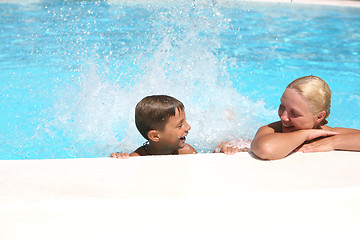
(73, 71)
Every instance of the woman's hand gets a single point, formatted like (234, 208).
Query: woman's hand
(316, 133)
(231, 150)
(319, 145)
(320, 141)
(227, 150)
(233, 146)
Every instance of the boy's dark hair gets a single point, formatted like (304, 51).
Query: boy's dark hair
(153, 112)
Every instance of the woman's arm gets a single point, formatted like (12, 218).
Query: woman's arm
(270, 143)
(347, 139)
(349, 142)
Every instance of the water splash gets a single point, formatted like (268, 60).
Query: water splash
(71, 76)
(182, 59)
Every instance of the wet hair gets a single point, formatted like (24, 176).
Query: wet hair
(153, 113)
(316, 92)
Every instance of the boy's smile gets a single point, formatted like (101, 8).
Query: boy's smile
(174, 134)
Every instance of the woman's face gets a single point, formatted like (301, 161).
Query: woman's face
(295, 113)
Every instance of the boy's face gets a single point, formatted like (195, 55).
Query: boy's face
(174, 134)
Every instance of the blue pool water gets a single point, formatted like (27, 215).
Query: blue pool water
(71, 72)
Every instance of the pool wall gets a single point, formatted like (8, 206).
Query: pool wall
(212, 196)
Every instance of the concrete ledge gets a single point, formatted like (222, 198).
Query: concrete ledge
(305, 196)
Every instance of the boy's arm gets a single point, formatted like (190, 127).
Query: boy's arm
(134, 154)
(140, 151)
(124, 155)
(187, 150)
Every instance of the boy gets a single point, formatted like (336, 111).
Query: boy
(161, 120)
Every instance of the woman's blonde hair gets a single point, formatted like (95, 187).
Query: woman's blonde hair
(316, 93)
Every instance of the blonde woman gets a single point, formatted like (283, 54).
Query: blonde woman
(305, 105)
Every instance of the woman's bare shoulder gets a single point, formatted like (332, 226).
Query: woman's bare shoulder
(274, 127)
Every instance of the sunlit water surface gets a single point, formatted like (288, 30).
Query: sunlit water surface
(73, 71)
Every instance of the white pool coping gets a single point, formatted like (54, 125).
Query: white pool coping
(203, 196)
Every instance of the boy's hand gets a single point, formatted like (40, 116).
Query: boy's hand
(231, 150)
(120, 155)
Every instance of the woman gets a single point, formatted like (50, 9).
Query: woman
(305, 105)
